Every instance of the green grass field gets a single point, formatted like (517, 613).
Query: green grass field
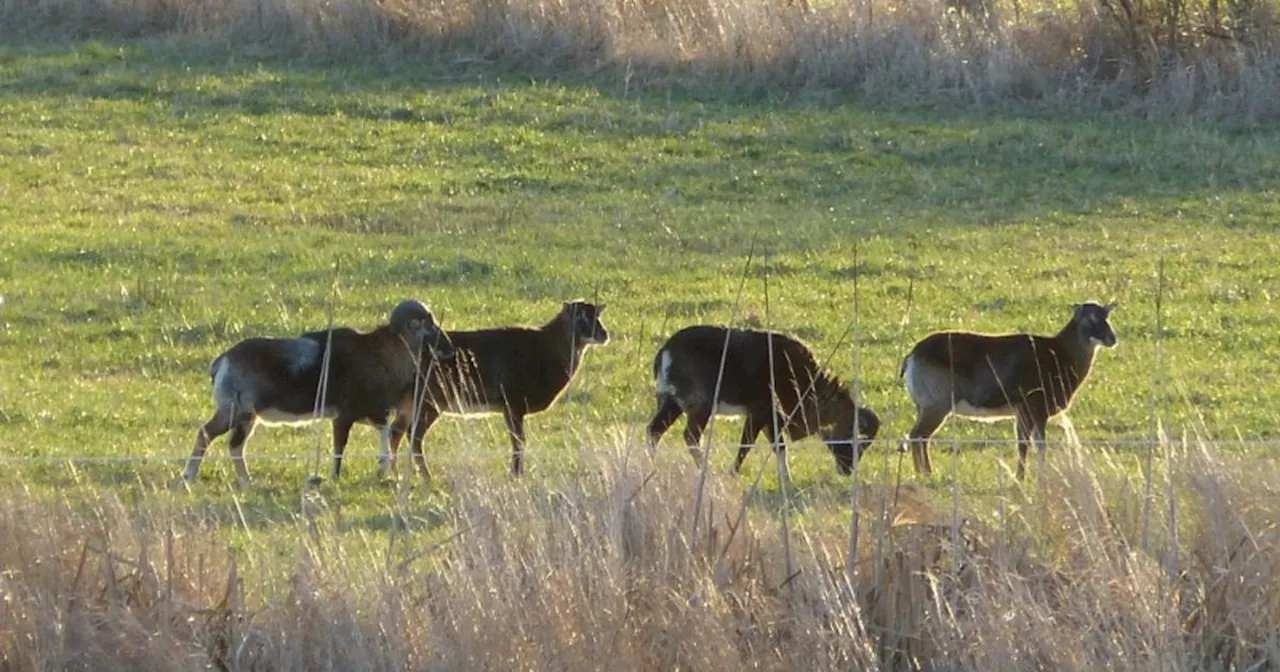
(159, 205)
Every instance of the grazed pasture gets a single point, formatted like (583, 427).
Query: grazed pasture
(157, 205)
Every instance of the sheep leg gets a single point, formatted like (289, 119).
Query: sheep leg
(751, 428)
(388, 444)
(698, 419)
(341, 433)
(1023, 439)
(668, 412)
(239, 435)
(928, 420)
(389, 441)
(1037, 435)
(515, 427)
(429, 416)
(1030, 428)
(217, 425)
(779, 445)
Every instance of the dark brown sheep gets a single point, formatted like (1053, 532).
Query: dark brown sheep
(513, 370)
(992, 377)
(278, 380)
(806, 398)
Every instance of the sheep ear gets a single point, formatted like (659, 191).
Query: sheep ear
(599, 309)
(1110, 307)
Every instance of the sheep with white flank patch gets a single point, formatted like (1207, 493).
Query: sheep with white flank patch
(279, 380)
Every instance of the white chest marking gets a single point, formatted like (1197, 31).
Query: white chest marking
(575, 359)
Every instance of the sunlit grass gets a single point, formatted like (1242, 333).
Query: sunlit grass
(155, 211)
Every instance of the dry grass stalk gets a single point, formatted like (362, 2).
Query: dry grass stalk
(1162, 58)
(602, 574)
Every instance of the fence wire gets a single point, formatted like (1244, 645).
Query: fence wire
(501, 449)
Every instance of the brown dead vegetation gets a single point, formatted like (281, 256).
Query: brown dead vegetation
(1159, 58)
(1081, 571)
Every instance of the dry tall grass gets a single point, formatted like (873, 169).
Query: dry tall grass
(1165, 58)
(1083, 571)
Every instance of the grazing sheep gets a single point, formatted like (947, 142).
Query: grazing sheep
(805, 400)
